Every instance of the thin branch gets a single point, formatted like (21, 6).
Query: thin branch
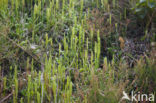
(13, 42)
(4, 99)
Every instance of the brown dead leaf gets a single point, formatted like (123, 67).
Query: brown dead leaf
(122, 42)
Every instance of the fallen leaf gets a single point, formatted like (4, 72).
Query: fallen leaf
(122, 42)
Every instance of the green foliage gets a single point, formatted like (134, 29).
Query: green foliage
(49, 52)
(146, 10)
(145, 7)
(146, 74)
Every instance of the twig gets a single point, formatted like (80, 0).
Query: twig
(35, 58)
(4, 99)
